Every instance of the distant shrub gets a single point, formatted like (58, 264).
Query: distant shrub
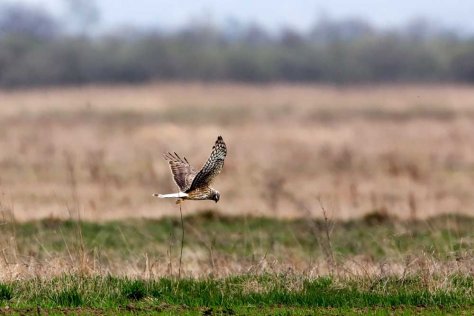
(35, 51)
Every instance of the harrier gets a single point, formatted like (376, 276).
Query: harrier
(194, 185)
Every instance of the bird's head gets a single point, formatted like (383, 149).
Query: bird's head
(216, 196)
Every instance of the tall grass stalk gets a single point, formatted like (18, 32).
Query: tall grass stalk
(182, 241)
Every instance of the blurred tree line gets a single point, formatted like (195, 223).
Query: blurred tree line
(39, 49)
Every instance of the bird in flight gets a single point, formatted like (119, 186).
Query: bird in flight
(192, 184)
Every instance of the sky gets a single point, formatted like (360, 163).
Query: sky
(273, 14)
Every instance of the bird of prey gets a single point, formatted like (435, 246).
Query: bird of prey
(192, 184)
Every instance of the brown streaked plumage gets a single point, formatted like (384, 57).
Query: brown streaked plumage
(196, 185)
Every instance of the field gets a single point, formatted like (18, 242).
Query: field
(333, 199)
(239, 265)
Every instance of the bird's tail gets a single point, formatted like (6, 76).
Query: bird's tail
(171, 195)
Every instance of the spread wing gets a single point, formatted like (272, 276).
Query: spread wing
(182, 171)
(212, 167)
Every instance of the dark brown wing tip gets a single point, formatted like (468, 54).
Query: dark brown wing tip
(220, 139)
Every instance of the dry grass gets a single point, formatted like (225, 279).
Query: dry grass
(403, 150)
(219, 247)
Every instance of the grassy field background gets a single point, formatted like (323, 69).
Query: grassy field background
(334, 199)
(404, 150)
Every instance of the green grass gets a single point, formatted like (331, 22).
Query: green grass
(248, 293)
(5, 292)
(245, 237)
